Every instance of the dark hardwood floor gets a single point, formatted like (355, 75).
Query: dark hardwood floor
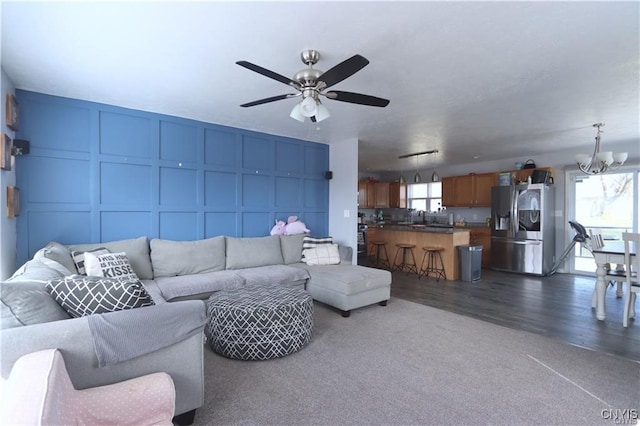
(558, 307)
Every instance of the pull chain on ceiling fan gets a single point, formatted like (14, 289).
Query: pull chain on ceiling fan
(311, 84)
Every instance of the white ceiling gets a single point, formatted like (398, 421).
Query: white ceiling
(492, 80)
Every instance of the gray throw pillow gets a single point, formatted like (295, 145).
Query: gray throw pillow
(291, 246)
(59, 253)
(82, 295)
(173, 258)
(27, 303)
(137, 250)
(251, 252)
(36, 270)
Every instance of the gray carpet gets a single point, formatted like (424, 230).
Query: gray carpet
(409, 364)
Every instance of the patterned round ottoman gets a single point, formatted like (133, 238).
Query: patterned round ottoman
(257, 323)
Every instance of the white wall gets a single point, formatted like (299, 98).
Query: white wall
(7, 178)
(343, 193)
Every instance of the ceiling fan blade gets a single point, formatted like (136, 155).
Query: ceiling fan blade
(271, 99)
(357, 98)
(268, 73)
(343, 70)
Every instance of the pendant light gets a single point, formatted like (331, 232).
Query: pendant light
(600, 162)
(417, 178)
(435, 177)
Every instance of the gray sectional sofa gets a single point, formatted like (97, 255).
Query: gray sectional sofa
(175, 272)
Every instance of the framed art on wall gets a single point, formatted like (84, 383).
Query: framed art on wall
(13, 201)
(5, 152)
(11, 109)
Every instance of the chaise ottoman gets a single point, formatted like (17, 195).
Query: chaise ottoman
(259, 323)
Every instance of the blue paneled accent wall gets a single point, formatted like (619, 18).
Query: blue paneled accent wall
(100, 173)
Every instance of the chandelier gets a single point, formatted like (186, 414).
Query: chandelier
(600, 161)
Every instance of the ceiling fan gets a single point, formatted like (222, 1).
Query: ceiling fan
(311, 83)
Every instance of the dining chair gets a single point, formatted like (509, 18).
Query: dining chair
(617, 275)
(632, 265)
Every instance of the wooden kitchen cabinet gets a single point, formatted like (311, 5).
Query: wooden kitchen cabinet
(366, 195)
(482, 237)
(449, 191)
(381, 195)
(468, 191)
(398, 195)
(482, 188)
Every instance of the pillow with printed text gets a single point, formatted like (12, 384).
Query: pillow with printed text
(109, 265)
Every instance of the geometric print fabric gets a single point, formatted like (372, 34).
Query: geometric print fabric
(259, 323)
(82, 295)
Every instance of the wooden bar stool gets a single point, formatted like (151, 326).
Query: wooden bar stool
(432, 263)
(379, 249)
(400, 261)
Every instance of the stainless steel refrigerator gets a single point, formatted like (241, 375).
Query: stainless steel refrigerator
(522, 229)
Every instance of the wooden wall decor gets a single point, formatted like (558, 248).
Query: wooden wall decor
(5, 152)
(13, 201)
(11, 112)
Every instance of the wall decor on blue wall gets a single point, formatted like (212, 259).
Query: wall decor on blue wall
(100, 173)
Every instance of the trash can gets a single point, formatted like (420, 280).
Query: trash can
(470, 262)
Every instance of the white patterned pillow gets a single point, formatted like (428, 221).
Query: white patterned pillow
(313, 242)
(109, 265)
(81, 295)
(325, 254)
(78, 258)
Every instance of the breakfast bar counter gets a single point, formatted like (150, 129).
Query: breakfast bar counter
(422, 236)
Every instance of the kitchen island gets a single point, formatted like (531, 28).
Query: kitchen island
(422, 236)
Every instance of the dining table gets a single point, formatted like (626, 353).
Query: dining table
(611, 252)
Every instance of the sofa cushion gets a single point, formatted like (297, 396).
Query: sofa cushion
(346, 279)
(325, 254)
(137, 250)
(81, 295)
(27, 303)
(110, 265)
(79, 258)
(273, 274)
(171, 258)
(251, 252)
(291, 246)
(37, 270)
(197, 286)
(59, 253)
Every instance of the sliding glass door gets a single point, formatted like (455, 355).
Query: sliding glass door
(606, 203)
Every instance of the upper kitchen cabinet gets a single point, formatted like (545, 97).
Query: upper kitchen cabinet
(366, 195)
(382, 195)
(398, 195)
(472, 190)
(449, 191)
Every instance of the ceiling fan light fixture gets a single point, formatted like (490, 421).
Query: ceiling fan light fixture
(296, 114)
(322, 112)
(308, 107)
